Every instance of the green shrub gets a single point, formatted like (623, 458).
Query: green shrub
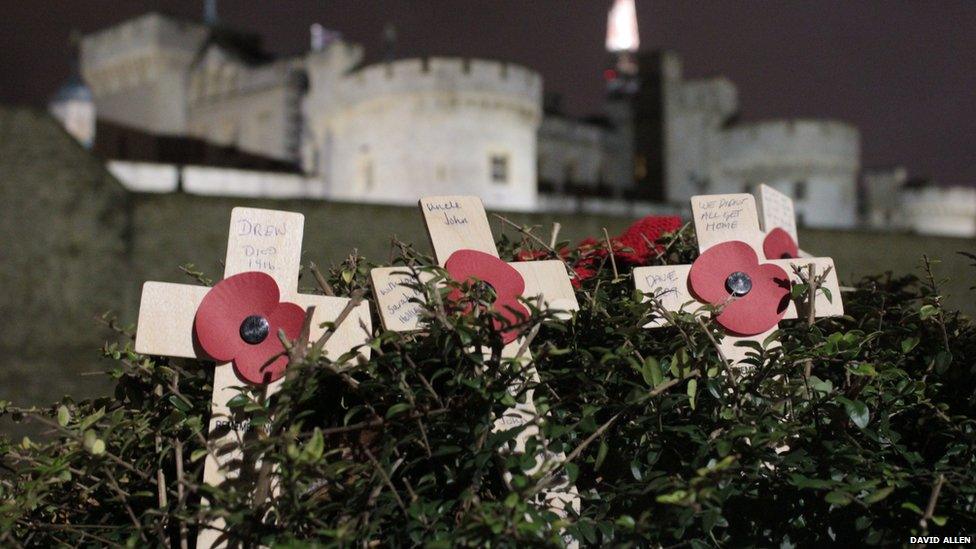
(857, 430)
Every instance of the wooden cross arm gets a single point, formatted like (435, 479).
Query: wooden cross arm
(670, 284)
(166, 314)
(400, 312)
(548, 279)
(355, 330)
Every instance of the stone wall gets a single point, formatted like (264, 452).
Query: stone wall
(75, 244)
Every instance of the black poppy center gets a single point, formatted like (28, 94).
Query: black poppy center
(738, 283)
(255, 329)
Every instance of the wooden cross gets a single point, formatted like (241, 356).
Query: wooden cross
(266, 241)
(456, 223)
(733, 217)
(776, 211)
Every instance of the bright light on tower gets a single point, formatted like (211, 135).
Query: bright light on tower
(622, 27)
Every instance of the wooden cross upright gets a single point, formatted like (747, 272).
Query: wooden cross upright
(776, 211)
(458, 225)
(725, 218)
(264, 241)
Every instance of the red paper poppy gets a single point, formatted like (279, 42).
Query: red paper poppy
(584, 271)
(640, 238)
(467, 265)
(238, 321)
(734, 265)
(778, 244)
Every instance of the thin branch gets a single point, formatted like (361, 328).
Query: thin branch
(718, 348)
(354, 301)
(528, 233)
(386, 480)
(933, 499)
(613, 261)
(555, 234)
(323, 284)
(124, 499)
(811, 311)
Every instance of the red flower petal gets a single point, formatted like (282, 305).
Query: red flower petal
(711, 269)
(464, 265)
(252, 361)
(218, 320)
(754, 313)
(641, 236)
(763, 307)
(778, 244)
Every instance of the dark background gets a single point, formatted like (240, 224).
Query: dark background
(903, 72)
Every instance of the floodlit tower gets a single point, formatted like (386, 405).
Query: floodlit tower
(623, 40)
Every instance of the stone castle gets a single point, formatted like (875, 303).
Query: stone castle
(398, 129)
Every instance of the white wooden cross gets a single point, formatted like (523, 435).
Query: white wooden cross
(457, 223)
(776, 210)
(267, 241)
(733, 217)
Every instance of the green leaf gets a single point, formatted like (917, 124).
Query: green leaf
(238, 400)
(674, 497)
(182, 406)
(857, 411)
(821, 386)
(197, 454)
(88, 439)
(572, 471)
(928, 311)
(347, 276)
(942, 361)
(315, 446)
(92, 419)
(826, 291)
(939, 521)
(912, 507)
(838, 497)
(626, 521)
(396, 409)
(651, 372)
(798, 290)
(879, 494)
(601, 454)
(908, 344)
(64, 415)
(692, 391)
(861, 369)
(98, 447)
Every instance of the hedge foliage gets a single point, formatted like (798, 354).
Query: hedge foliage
(855, 430)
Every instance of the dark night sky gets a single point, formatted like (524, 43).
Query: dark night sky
(903, 72)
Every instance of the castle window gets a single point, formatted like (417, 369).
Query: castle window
(498, 164)
(571, 172)
(800, 190)
(365, 173)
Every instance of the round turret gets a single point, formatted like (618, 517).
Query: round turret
(816, 162)
(431, 126)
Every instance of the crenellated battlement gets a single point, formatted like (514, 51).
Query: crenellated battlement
(799, 144)
(442, 74)
(151, 33)
(714, 95)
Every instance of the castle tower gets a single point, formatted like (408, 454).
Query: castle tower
(138, 71)
(622, 84)
(623, 41)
